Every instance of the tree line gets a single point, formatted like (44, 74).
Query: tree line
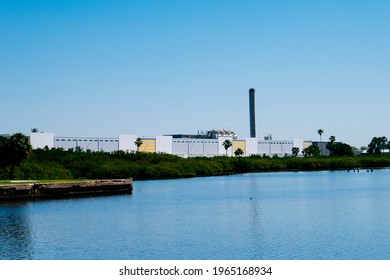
(13, 150)
(19, 161)
(378, 145)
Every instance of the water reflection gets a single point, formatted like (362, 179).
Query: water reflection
(15, 232)
(255, 220)
(306, 215)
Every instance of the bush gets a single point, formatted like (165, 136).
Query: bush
(40, 171)
(60, 164)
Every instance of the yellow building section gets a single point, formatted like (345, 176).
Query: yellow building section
(239, 145)
(306, 144)
(148, 146)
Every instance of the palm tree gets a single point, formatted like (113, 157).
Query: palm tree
(329, 145)
(4, 151)
(238, 152)
(312, 150)
(13, 150)
(138, 142)
(320, 131)
(227, 144)
(295, 151)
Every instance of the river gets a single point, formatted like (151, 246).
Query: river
(286, 215)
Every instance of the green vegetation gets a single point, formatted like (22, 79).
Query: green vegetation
(239, 152)
(320, 132)
(227, 144)
(338, 149)
(295, 151)
(8, 182)
(12, 151)
(19, 162)
(378, 145)
(58, 164)
(312, 150)
(138, 142)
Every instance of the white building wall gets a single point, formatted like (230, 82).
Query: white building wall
(127, 143)
(93, 144)
(40, 140)
(211, 147)
(66, 143)
(221, 148)
(264, 148)
(299, 143)
(275, 147)
(287, 148)
(164, 144)
(251, 146)
(89, 144)
(195, 147)
(180, 147)
(167, 144)
(105, 144)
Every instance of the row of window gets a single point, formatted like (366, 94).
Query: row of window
(174, 141)
(194, 141)
(86, 140)
(280, 143)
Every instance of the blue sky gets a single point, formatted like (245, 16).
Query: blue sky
(104, 68)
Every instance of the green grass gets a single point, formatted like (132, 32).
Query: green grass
(15, 182)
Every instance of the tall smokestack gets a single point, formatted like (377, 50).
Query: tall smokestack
(252, 113)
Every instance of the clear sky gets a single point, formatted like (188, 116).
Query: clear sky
(145, 67)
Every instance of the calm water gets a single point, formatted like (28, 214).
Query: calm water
(305, 215)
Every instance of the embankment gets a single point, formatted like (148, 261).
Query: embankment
(66, 189)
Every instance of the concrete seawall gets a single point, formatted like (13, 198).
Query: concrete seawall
(65, 189)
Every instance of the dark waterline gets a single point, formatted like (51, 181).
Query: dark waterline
(304, 215)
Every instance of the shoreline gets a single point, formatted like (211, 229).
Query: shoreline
(66, 189)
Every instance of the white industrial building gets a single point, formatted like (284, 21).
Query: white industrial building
(209, 143)
(182, 145)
